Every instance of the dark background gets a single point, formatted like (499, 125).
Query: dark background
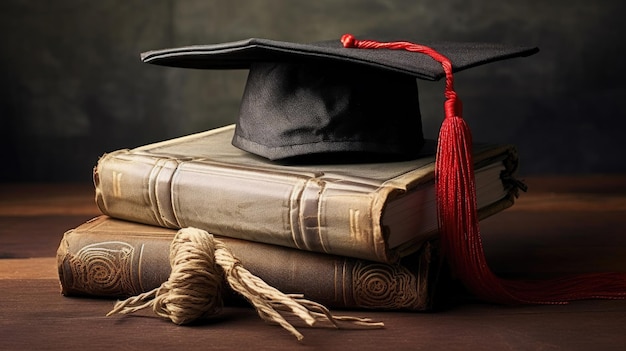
(73, 86)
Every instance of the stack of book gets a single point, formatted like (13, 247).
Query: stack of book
(344, 234)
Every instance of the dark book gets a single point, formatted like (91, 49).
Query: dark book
(107, 257)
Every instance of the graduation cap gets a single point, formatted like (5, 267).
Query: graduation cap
(360, 97)
(304, 99)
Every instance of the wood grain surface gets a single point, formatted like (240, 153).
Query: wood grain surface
(563, 225)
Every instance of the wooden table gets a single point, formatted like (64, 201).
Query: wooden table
(563, 225)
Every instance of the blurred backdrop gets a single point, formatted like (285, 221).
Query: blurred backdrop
(73, 86)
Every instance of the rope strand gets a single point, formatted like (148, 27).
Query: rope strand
(200, 263)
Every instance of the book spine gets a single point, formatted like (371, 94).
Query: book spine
(119, 265)
(293, 210)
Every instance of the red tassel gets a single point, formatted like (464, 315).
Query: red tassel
(458, 213)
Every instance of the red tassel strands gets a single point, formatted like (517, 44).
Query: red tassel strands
(458, 218)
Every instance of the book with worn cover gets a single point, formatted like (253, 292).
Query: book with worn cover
(377, 211)
(107, 257)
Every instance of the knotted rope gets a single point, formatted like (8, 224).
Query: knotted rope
(199, 264)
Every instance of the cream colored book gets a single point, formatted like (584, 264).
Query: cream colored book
(378, 211)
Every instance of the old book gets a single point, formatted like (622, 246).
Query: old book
(375, 211)
(107, 257)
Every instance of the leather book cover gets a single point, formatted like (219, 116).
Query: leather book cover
(374, 211)
(107, 257)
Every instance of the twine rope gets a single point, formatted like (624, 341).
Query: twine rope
(200, 262)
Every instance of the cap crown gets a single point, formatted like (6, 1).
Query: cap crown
(295, 109)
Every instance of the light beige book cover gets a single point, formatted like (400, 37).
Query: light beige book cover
(375, 211)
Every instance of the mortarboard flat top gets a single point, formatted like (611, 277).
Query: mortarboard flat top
(240, 54)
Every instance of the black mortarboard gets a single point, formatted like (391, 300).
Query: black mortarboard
(303, 99)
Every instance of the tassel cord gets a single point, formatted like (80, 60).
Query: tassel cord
(458, 218)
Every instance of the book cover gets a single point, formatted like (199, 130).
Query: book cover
(375, 211)
(107, 257)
